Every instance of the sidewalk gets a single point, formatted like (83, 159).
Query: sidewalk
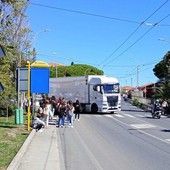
(39, 151)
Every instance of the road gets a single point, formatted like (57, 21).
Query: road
(130, 140)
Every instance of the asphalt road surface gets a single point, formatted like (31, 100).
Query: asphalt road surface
(130, 140)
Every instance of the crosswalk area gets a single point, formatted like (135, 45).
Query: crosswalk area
(120, 115)
(141, 125)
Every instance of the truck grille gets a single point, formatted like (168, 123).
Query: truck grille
(112, 100)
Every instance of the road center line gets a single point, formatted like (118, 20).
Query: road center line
(91, 156)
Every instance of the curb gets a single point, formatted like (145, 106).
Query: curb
(16, 160)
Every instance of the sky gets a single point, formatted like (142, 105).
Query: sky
(125, 39)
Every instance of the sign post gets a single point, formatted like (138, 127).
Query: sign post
(38, 82)
(28, 95)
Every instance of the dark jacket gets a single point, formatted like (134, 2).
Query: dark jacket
(62, 110)
(78, 107)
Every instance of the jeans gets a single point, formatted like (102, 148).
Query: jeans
(70, 118)
(61, 121)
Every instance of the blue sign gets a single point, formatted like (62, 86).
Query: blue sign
(40, 80)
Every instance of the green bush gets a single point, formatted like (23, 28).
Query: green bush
(135, 102)
(3, 111)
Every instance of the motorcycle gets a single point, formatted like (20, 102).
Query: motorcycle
(157, 113)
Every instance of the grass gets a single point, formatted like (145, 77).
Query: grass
(12, 137)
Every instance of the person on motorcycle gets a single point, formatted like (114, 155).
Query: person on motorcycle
(157, 106)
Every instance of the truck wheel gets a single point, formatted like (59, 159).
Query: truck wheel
(94, 108)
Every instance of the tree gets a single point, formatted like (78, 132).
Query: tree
(16, 40)
(75, 70)
(162, 71)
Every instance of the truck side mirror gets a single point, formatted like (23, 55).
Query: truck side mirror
(98, 88)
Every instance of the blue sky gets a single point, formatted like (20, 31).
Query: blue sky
(117, 36)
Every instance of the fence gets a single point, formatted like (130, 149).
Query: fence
(141, 97)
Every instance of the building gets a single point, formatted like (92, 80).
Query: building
(55, 64)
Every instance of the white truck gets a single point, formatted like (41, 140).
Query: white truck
(95, 93)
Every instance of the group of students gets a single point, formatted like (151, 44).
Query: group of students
(64, 110)
(68, 112)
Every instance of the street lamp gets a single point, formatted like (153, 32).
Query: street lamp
(163, 39)
(35, 36)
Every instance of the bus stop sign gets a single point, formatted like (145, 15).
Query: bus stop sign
(39, 78)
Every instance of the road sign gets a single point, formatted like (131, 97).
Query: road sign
(22, 79)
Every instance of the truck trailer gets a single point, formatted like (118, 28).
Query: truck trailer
(96, 93)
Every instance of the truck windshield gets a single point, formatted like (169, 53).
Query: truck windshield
(111, 88)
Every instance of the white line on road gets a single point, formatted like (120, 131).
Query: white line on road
(142, 126)
(109, 116)
(90, 154)
(118, 115)
(139, 115)
(148, 134)
(128, 115)
(167, 140)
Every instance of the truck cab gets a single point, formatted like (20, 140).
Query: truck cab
(104, 94)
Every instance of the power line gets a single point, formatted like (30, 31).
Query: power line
(141, 23)
(137, 40)
(134, 71)
(84, 13)
(120, 66)
(90, 14)
(107, 17)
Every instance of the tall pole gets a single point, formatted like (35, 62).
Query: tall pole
(56, 71)
(137, 72)
(28, 95)
(137, 76)
(44, 30)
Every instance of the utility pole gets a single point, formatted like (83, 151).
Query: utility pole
(137, 76)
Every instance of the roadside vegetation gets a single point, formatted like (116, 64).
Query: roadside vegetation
(12, 137)
(74, 70)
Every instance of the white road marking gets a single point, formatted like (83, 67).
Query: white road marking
(89, 153)
(128, 115)
(155, 137)
(118, 115)
(142, 126)
(109, 116)
(167, 140)
(139, 115)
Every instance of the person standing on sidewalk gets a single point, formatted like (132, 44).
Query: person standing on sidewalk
(62, 110)
(46, 111)
(78, 109)
(71, 110)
